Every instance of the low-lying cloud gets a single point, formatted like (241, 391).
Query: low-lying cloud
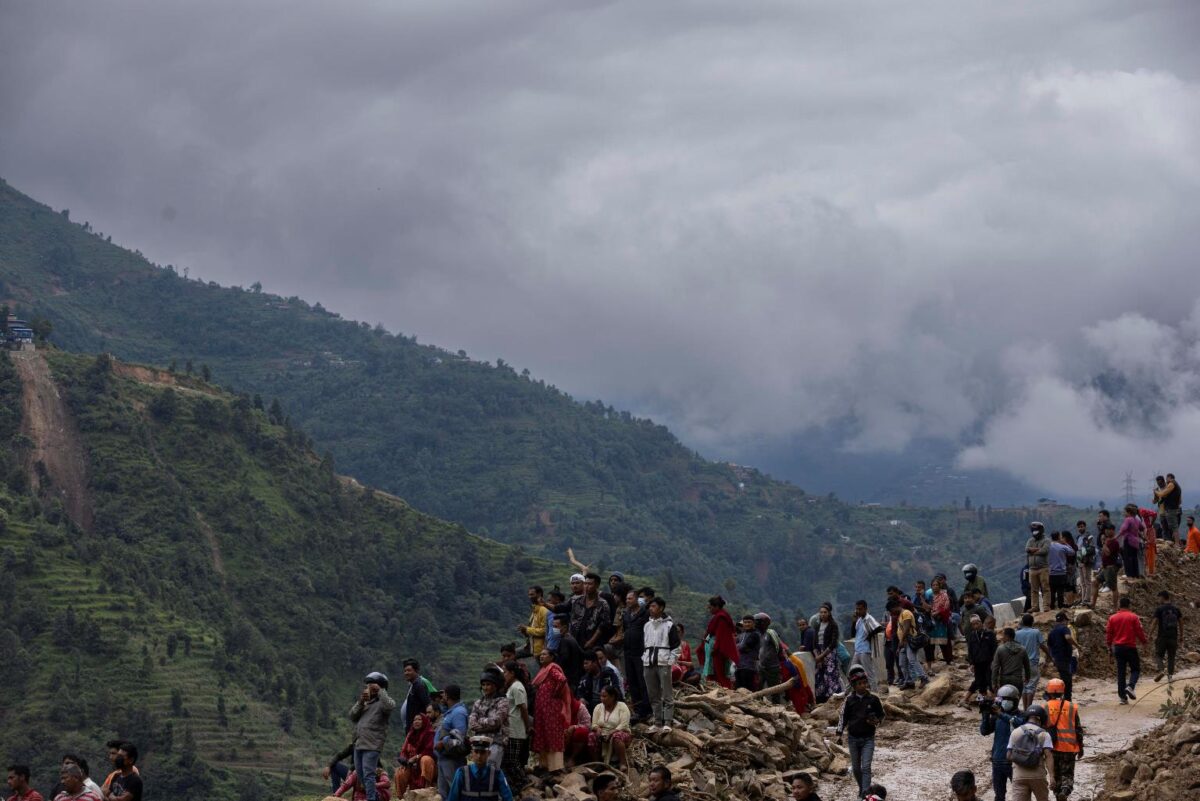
(745, 220)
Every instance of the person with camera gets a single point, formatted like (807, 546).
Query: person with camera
(1000, 717)
(371, 713)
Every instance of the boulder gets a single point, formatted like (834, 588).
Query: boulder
(1083, 617)
(1187, 733)
(936, 693)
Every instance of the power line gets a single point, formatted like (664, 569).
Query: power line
(1129, 487)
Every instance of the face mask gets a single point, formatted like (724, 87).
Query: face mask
(1037, 535)
(1008, 705)
(641, 601)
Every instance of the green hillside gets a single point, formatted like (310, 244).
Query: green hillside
(229, 592)
(498, 451)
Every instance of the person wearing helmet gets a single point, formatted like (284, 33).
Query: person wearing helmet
(999, 719)
(974, 581)
(1066, 731)
(371, 713)
(1037, 551)
(862, 712)
(1031, 752)
(479, 779)
(489, 716)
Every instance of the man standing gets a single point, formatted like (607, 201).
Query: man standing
(633, 625)
(417, 701)
(1059, 558)
(370, 713)
(1031, 752)
(1169, 496)
(480, 780)
(73, 787)
(535, 630)
(1167, 630)
(770, 650)
(1085, 560)
(981, 650)
(1011, 663)
(1037, 550)
(126, 785)
(450, 737)
(746, 673)
(1110, 564)
(18, 783)
(1193, 537)
(974, 581)
(516, 752)
(1060, 643)
(660, 650)
(489, 716)
(861, 713)
(568, 655)
(866, 629)
(591, 616)
(1124, 633)
(1030, 638)
(1066, 731)
(999, 721)
(910, 661)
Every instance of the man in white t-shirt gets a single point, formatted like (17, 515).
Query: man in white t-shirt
(1031, 752)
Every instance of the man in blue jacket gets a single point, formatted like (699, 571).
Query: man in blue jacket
(1000, 720)
(451, 731)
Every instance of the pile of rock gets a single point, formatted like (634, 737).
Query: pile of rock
(1163, 765)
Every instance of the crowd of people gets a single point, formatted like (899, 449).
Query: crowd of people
(122, 783)
(593, 666)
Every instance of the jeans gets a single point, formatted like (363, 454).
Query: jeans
(1167, 647)
(365, 763)
(1064, 672)
(661, 696)
(637, 685)
(911, 664)
(1058, 590)
(891, 657)
(446, 768)
(1085, 583)
(337, 774)
(862, 751)
(1127, 660)
(1001, 776)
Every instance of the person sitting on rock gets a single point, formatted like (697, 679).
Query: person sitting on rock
(660, 784)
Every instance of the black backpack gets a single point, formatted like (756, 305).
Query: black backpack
(1169, 620)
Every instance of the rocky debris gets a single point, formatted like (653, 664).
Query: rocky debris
(725, 745)
(1163, 765)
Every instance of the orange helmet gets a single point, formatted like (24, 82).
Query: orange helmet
(1056, 687)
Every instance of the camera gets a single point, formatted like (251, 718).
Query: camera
(985, 704)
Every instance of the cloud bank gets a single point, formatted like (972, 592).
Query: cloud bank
(914, 221)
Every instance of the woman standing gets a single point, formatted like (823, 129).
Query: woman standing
(417, 768)
(552, 713)
(720, 647)
(829, 679)
(939, 635)
(1130, 537)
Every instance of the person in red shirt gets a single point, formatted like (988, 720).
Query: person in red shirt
(18, 783)
(1124, 633)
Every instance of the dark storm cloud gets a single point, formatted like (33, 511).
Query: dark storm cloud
(746, 219)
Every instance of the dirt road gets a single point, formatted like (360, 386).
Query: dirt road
(48, 424)
(915, 761)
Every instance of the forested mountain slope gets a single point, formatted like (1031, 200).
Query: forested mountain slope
(501, 453)
(224, 592)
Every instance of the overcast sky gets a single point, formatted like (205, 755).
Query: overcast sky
(745, 219)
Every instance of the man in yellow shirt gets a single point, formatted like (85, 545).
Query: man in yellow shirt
(538, 615)
(1193, 537)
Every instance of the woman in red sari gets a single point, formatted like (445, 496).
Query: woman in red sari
(417, 768)
(552, 713)
(720, 647)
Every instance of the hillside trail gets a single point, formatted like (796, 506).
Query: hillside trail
(916, 760)
(48, 424)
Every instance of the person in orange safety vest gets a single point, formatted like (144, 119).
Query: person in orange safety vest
(1067, 733)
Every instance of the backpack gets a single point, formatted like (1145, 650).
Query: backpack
(1027, 747)
(1169, 621)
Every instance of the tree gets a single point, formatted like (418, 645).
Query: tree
(41, 328)
(188, 367)
(222, 717)
(256, 287)
(176, 702)
(275, 413)
(285, 719)
(164, 408)
(205, 373)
